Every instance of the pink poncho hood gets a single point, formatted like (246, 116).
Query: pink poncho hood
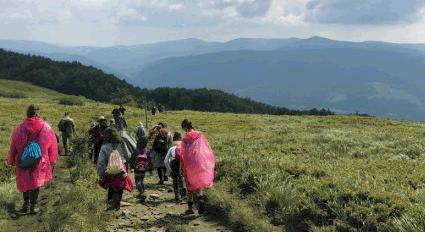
(29, 129)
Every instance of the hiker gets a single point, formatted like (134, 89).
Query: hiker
(34, 152)
(173, 166)
(140, 163)
(153, 111)
(160, 147)
(98, 136)
(118, 114)
(139, 131)
(160, 108)
(198, 161)
(67, 127)
(112, 168)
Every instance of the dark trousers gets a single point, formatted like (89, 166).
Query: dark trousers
(31, 196)
(66, 141)
(139, 177)
(162, 173)
(179, 190)
(96, 151)
(115, 195)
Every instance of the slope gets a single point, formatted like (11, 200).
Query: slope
(385, 83)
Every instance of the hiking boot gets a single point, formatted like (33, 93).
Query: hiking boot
(201, 207)
(25, 207)
(161, 182)
(34, 209)
(189, 211)
(33, 196)
(183, 192)
(165, 178)
(142, 198)
(177, 197)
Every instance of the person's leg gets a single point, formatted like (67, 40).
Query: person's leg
(26, 205)
(175, 176)
(116, 198)
(164, 171)
(160, 175)
(201, 202)
(181, 186)
(190, 197)
(65, 143)
(96, 152)
(142, 184)
(33, 201)
(110, 192)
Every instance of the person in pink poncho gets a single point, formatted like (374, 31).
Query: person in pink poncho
(29, 181)
(198, 162)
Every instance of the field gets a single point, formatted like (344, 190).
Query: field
(283, 173)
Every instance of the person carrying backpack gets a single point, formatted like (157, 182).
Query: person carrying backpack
(34, 152)
(98, 136)
(112, 168)
(67, 127)
(140, 163)
(140, 131)
(157, 154)
(198, 162)
(173, 166)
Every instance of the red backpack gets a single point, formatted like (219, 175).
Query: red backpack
(141, 163)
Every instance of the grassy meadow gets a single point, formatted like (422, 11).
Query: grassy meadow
(274, 173)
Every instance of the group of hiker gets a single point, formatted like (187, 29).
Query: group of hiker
(189, 161)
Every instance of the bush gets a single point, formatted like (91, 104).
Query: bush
(12, 94)
(71, 101)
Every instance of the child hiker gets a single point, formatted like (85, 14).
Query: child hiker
(140, 163)
(112, 168)
(173, 166)
(198, 162)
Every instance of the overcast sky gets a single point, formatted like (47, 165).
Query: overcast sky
(108, 22)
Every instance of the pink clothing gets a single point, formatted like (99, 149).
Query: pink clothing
(116, 181)
(197, 160)
(30, 179)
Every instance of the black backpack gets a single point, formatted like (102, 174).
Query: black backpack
(160, 144)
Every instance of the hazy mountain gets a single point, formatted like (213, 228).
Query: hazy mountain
(385, 79)
(385, 82)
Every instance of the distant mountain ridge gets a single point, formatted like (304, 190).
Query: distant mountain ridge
(379, 78)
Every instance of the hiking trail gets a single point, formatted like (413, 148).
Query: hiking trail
(156, 214)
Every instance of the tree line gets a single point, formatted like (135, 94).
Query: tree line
(76, 79)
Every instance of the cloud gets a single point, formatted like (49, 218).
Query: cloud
(363, 11)
(241, 8)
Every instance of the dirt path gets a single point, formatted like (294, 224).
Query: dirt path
(153, 215)
(159, 214)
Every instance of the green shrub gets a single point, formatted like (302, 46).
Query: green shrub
(71, 101)
(12, 94)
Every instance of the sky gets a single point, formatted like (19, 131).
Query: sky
(113, 22)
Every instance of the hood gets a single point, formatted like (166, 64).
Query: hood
(33, 125)
(193, 135)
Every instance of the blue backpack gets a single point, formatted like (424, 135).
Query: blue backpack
(31, 154)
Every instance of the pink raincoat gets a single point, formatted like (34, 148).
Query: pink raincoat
(197, 160)
(30, 179)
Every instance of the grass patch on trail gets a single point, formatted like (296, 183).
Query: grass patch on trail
(335, 173)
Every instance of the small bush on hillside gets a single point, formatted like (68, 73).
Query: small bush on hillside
(71, 101)
(12, 94)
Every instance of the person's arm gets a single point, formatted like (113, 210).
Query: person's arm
(101, 162)
(53, 147)
(167, 159)
(11, 156)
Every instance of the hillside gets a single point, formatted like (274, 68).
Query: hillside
(284, 173)
(378, 78)
(77, 79)
(379, 82)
